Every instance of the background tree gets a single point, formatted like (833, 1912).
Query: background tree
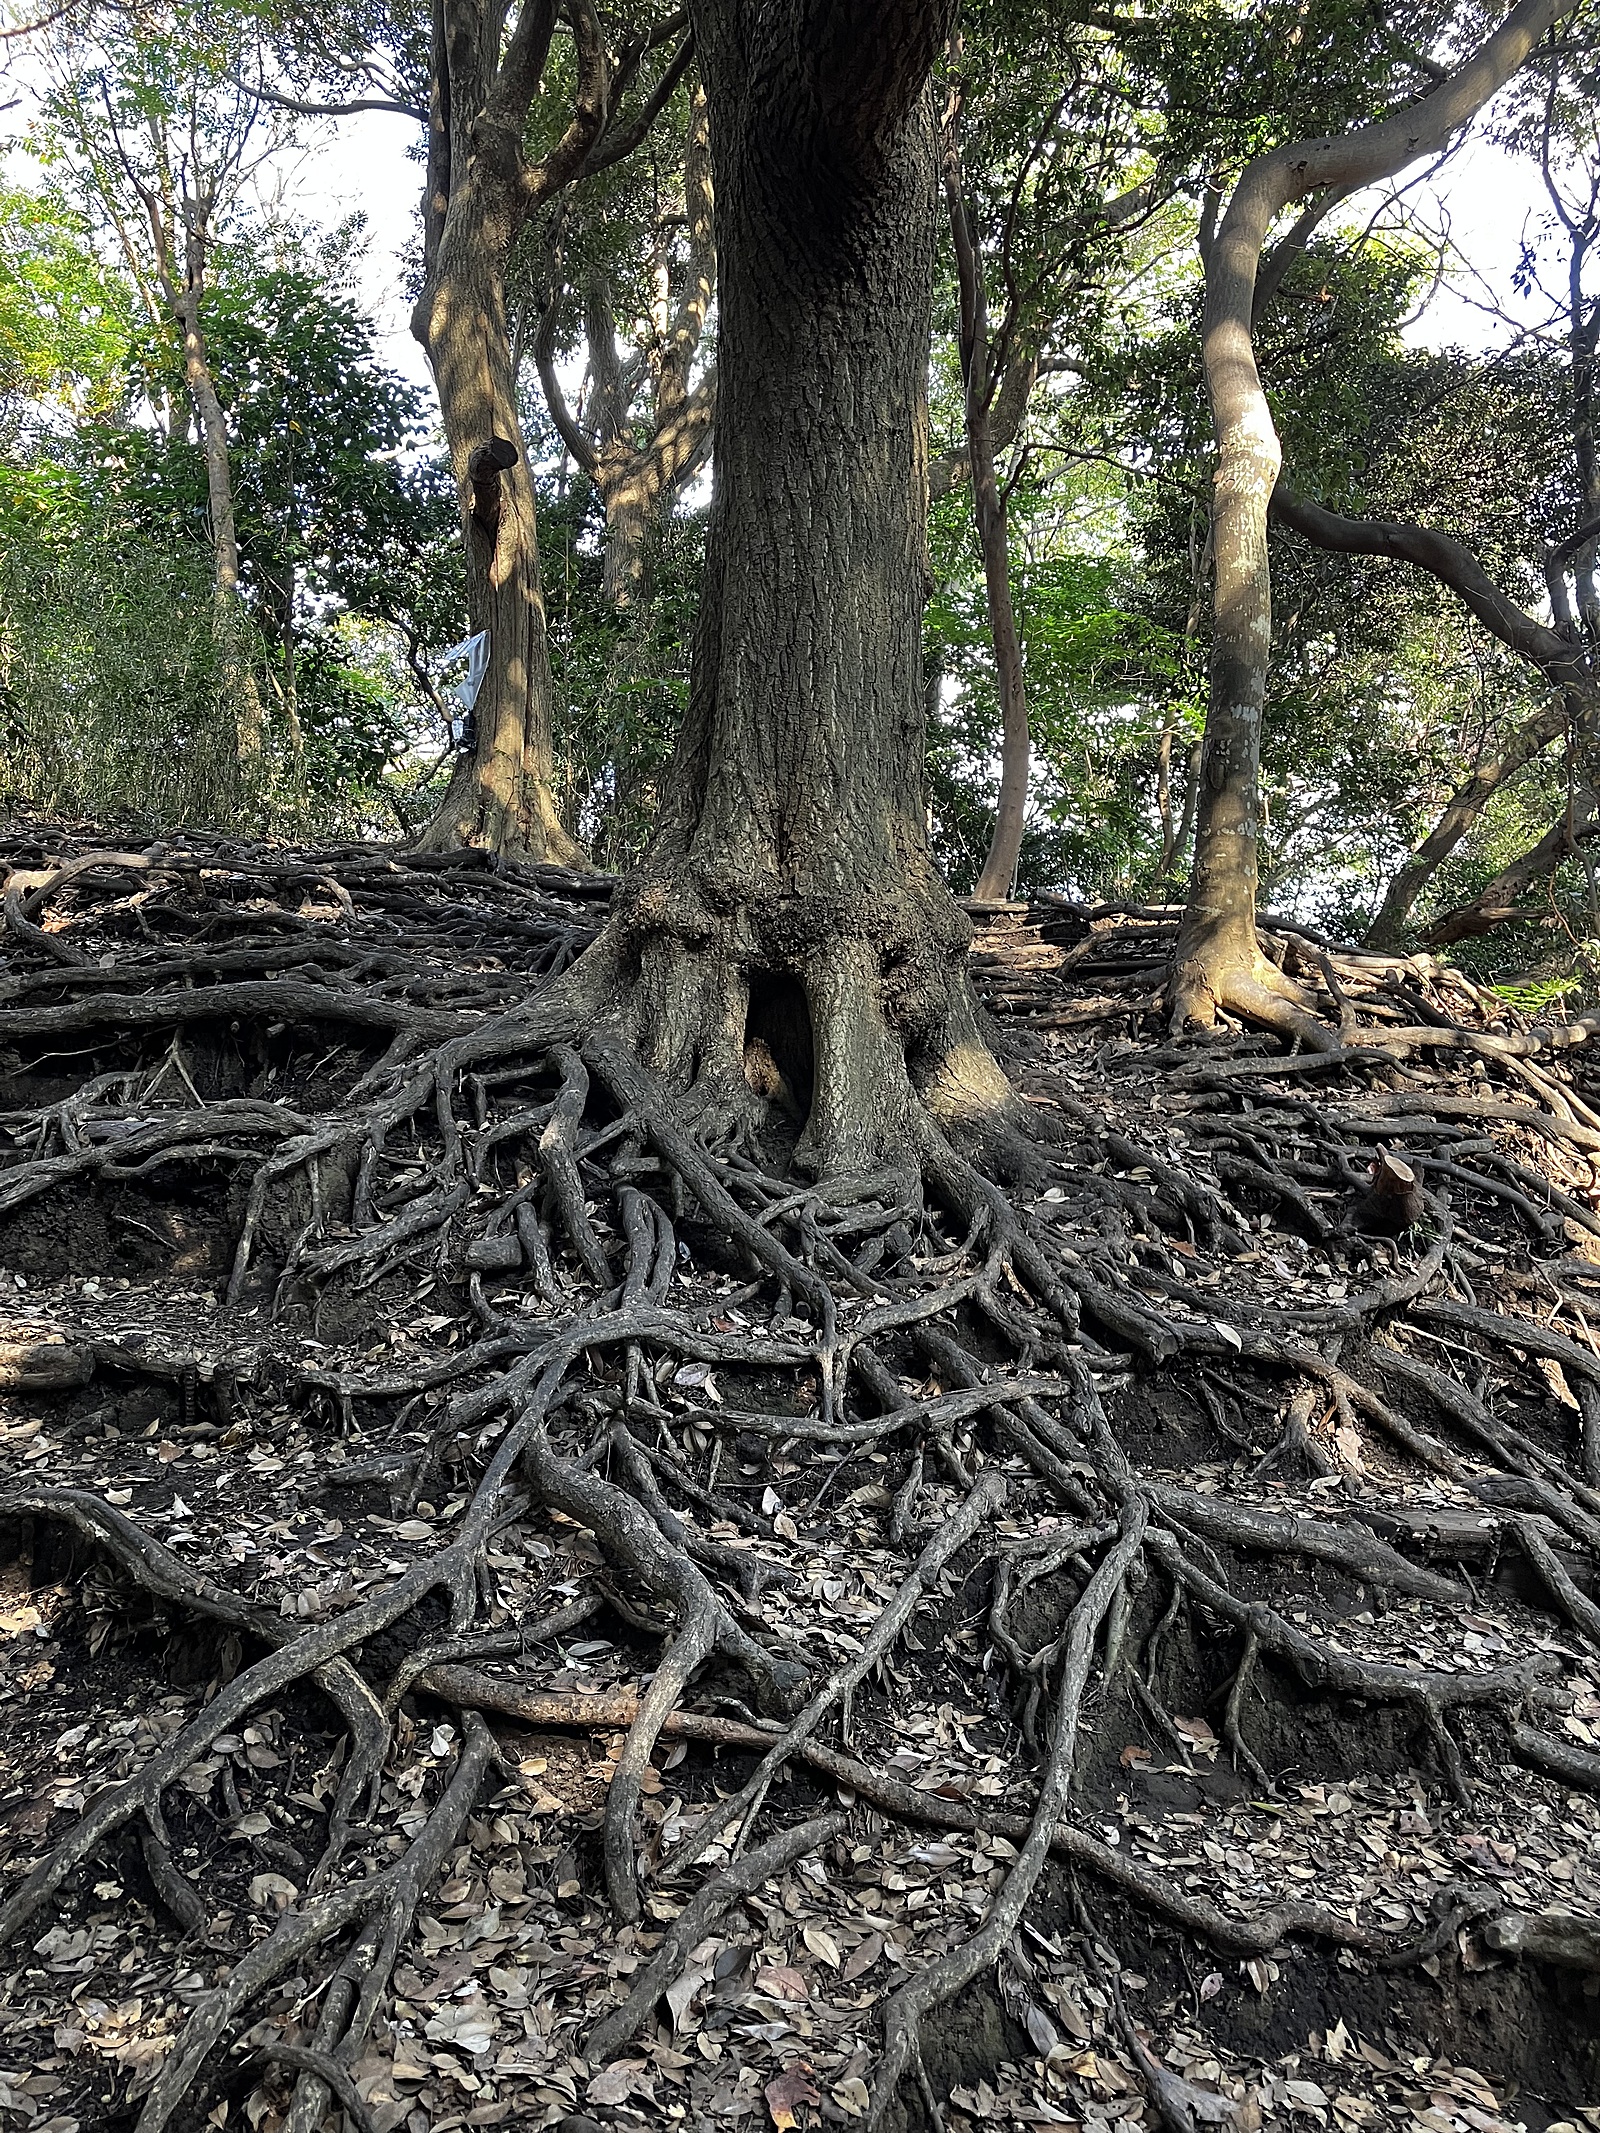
(509, 123)
(116, 694)
(644, 428)
(160, 144)
(1556, 559)
(1218, 961)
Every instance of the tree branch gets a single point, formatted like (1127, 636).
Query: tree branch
(1454, 565)
(566, 158)
(264, 95)
(612, 147)
(567, 428)
(518, 79)
(1288, 249)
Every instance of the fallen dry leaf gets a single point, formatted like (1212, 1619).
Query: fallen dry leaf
(782, 1983)
(793, 2086)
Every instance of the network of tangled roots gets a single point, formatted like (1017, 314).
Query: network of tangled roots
(960, 1342)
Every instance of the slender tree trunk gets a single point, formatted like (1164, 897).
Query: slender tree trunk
(999, 871)
(1006, 417)
(788, 899)
(291, 699)
(1563, 657)
(229, 624)
(1463, 809)
(1176, 827)
(500, 795)
(1190, 808)
(1583, 341)
(1218, 962)
(1016, 746)
(1500, 899)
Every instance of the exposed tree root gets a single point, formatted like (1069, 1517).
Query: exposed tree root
(911, 1323)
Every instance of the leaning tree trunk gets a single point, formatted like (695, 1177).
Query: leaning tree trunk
(1565, 660)
(1218, 963)
(500, 795)
(787, 931)
(1499, 902)
(1460, 813)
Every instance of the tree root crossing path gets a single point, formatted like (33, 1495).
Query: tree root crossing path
(521, 1610)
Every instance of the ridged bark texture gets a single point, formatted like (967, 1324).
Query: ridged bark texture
(787, 935)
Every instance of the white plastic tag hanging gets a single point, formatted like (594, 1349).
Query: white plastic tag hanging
(475, 651)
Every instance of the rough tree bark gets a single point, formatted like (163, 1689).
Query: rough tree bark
(639, 483)
(981, 384)
(1218, 963)
(788, 915)
(1565, 660)
(480, 192)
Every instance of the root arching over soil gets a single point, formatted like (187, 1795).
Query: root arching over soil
(581, 1593)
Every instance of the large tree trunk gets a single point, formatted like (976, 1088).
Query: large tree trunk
(501, 793)
(787, 930)
(1218, 962)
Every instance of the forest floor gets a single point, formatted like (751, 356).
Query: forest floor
(348, 1497)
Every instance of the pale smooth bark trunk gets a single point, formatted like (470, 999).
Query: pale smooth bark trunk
(1218, 963)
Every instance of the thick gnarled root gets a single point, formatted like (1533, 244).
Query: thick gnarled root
(890, 1353)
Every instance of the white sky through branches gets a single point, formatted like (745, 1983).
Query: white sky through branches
(1484, 197)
